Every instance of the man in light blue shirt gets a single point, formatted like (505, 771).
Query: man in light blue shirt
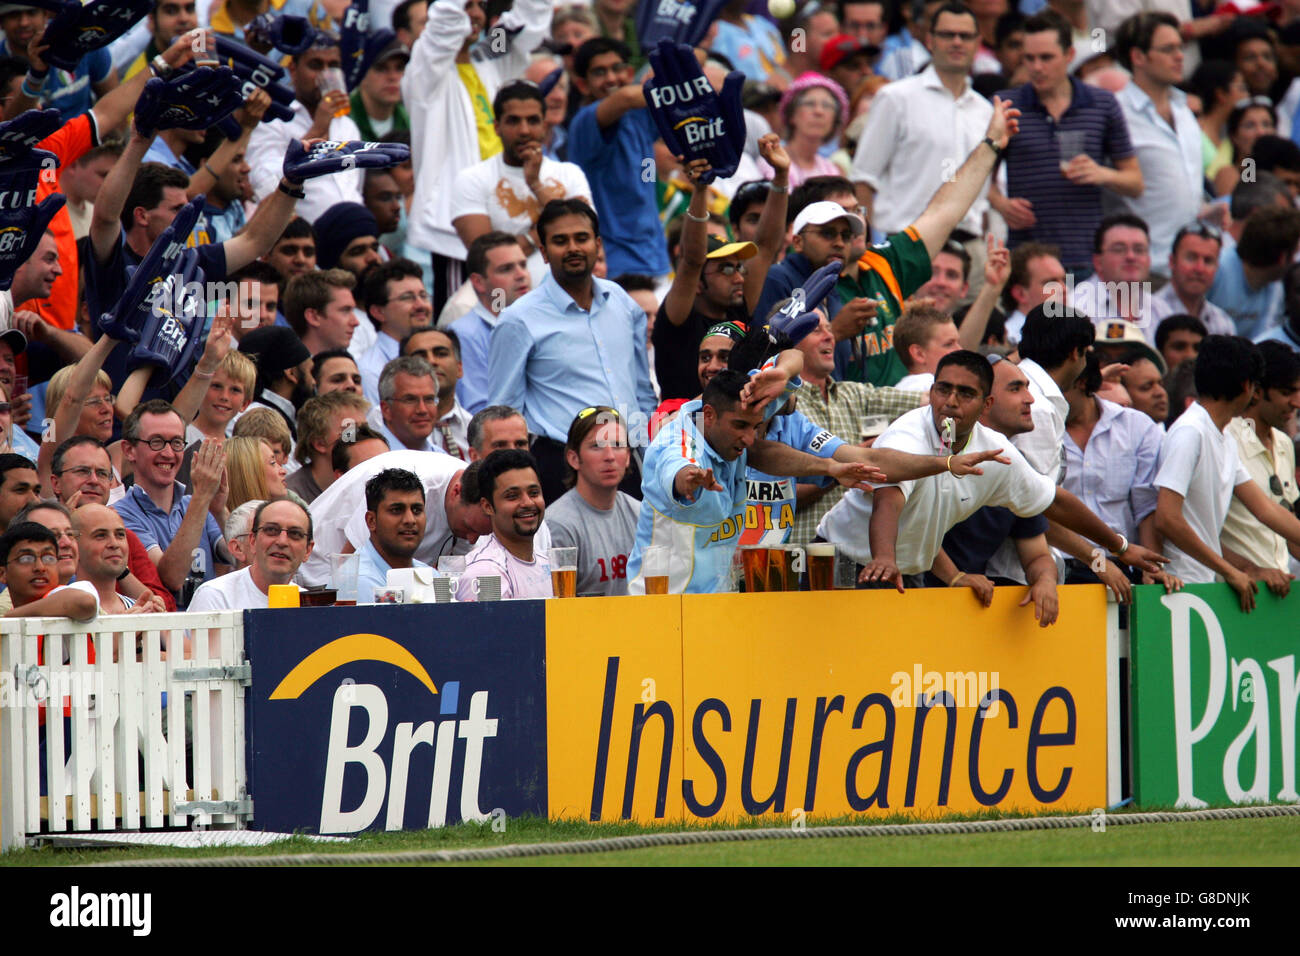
(1248, 284)
(695, 490)
(396, 519)
(573, 342)
(498, 271)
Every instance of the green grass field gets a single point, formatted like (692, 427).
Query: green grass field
(1241, 842)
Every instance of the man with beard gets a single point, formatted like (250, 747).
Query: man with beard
(550, 364)
(283, 363)
(507, 191)
(396, 519)
(510, 494)
(281, 541)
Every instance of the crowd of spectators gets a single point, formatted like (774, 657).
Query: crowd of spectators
(1063, 343)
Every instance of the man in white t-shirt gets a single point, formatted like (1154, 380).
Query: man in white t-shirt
(454, 520)
(899, 529)
(510, 494)
(922, 336)
(1200, 473)
(508, 191)
(281, 541)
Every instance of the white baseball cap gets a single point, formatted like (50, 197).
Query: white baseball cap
(820, 213)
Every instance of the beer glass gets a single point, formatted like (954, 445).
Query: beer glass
(654, 570)
(754, 561)
(564, 572)
(821, 566)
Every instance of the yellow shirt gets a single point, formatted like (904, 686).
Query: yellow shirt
(489, 143)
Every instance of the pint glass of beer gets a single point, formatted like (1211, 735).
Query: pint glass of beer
(564, 572)
(754, 562)
(821, 566)
(654, 570)
(781, 574)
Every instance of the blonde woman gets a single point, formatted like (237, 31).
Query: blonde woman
(253, 472)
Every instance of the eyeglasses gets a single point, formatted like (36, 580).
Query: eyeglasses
(830, 235)
(753, 186)
(67, 533)
(965, 36)
(729, 269)
(85, 471)
(96, 402)
(964, 392)
(28, 559)
(593, 409)
(411, 401)
(820, 103)
(273, 531)
(409, 297)
(158, 443)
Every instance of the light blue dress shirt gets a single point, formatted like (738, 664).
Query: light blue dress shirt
(549, 358)
(1254, 311)
(372, 571)
(1115, 474)
(474, 329)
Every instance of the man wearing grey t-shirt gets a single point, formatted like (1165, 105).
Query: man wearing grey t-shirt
(594, 516)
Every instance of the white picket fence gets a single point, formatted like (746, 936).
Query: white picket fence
(150, 735)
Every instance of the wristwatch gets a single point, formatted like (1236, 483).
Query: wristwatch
(997, 150)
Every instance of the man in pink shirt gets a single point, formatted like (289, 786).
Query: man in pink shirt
(510, 494)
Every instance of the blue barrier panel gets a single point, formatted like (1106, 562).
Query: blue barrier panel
(395, 717)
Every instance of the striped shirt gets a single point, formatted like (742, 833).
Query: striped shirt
(1067, 213)
(842, 412)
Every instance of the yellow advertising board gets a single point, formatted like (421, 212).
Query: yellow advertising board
(791, 705)
(614, 679)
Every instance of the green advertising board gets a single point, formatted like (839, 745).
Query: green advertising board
(1214, 695)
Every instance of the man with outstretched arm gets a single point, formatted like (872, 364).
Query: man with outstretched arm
(695, 491)
(907, 520)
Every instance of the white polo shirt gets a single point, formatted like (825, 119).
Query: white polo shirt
(935, 504)
(913, 118)
(1200, 463)
(1044, 447)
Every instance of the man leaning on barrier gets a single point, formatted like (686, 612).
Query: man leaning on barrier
(898, 530)
(281, 541)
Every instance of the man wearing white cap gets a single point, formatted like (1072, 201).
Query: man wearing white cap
(890, 272)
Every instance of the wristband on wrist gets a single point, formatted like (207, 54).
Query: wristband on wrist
(292, 189)
(33, 83)
(125, 571)
(953, 582)
(1123, 545)
(696, 218)
(159, 68)
(779, 189)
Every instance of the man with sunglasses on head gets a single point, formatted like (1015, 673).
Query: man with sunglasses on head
(181, 532)
(716, 281)
(1193, 262)
(281, 541)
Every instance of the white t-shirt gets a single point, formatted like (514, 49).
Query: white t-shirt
(935, 504)
(519, 579)
(916, 382)
(339, 514)
(1200, 463)
(89, 589)
(229, 592)
(493, 189)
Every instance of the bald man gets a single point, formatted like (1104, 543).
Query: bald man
(102, 557)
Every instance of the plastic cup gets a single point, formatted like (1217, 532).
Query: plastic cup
(564, 572)
(654, 570)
